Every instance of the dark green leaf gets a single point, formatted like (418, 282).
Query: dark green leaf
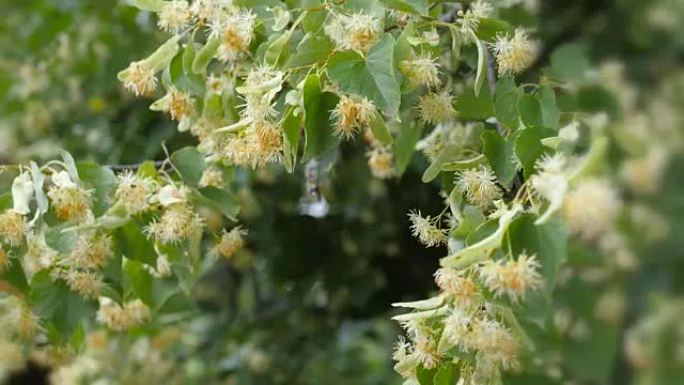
(550, 111)
(548, 241)
(528, 146)
(317, 122)
(506, 103)
(530, 110)
(372, 77)
(569, 63)
(499, 154)
(134, 244)
(405, 145)
(102, 180)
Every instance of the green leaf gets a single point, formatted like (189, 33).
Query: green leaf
(446, 374)
(499, 154)
(570, 63)
(506, 103)
(530, 110)
(54, 302)
(135, 245)
(373, 77)
(548, 241)
(190, 164)
(102, 180)
(204, 56)
(137, 281)
(162, 56)
(405, 144)
(447, 155)
(471, 107)
(549, 107)
(70, 165)
(317, 122)
(487, 28)
(15, 276)
(221, 200)
(148, 5)
(291, 133)
(425, 376)
(59, 240)
(275, 48)
(481, 67)
(312, 49)
(379, 129)
(528, 146)
(419, 7)
(188, 57)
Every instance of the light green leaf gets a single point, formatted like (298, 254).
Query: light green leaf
(530, 110)
(419, 7)
(204, 56)
(506, 103)
(550, 111)
(190, 164)
(405, 144)
(275, 48)
(379, 129)
(372, 77)
(312, 49)
(38, 183)
(291, 133)
(446, 374)
(102, 180)
(148, 5)
(481, 66)
(570, 63)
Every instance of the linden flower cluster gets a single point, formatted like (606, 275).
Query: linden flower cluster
(423, 71)
(352, 114)
(461, 317)
(13, 228)
(356, 32)
(121, 317)
(178, 105)
(178, 220)
(134, 192)
(479, 185)
(230, 242)
(513, 277)
(470, 19)
(69, 201)
(426, 230)
(255, 140)
(514, 54)
(140, 78)
(234, 29)
(436, 107)
(381, 162)
(174, 16)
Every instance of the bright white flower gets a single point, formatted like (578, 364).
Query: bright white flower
(458, 285)
(514, 54)
(457, 328)
(235, 31)
(480, 186)
(170, 195)
(401, 349)
(212, 176)
(425, 350)
(495, 343)
(134, 192)
(426, 230)
(513, 277)
(174, 16)
(436, 107)
(355, 32)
